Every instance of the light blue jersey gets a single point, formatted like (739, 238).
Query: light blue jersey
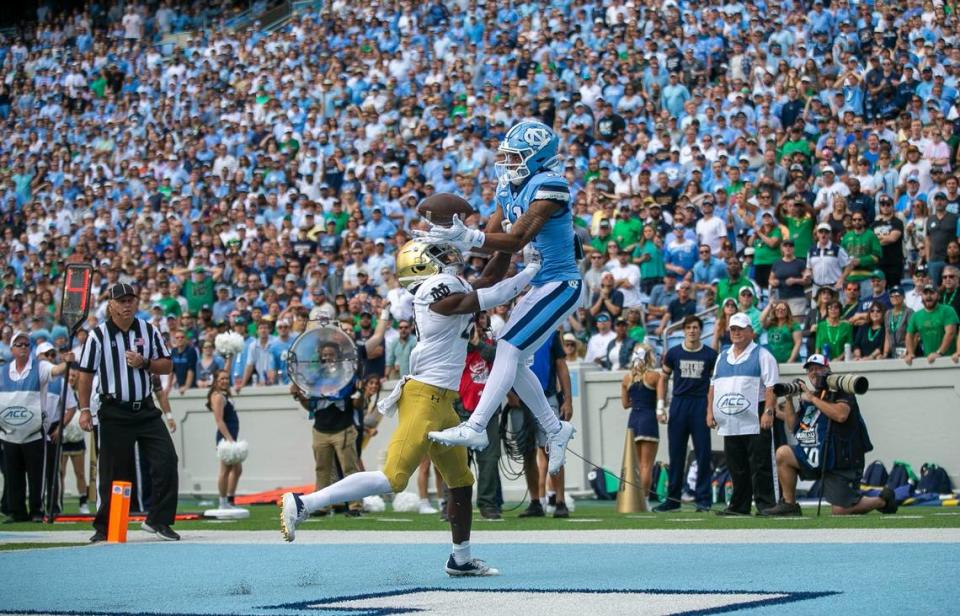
(556, 240)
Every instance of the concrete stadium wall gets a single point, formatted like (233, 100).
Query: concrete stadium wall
(913, 414)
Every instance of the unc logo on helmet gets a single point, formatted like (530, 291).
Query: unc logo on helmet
(528, 148)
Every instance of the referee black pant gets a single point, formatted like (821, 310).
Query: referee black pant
(120, 428)
(750, 462)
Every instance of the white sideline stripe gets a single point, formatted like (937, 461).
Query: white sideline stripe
(687, 536)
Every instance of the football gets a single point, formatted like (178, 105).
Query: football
(440, 208)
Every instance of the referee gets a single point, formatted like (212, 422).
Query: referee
(123, 352)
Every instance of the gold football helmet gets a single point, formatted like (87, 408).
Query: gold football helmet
(417, 261)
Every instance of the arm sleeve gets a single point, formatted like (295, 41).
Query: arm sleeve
(505, 290)
(158, 349)
(89, 355)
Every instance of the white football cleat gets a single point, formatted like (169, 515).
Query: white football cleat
(463, 434)
(471, 568)
(291, 512)
(426, 508)
(557, 447)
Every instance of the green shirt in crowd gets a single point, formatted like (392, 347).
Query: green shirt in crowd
(652, 267)
(198, 294)
(863, 246)
(801, 232)
(931, 325)
(764, 254)
(780, 341)
(731, 288)
(834, 335)
(627, 232)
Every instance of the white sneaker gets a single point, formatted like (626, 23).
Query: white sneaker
(292, 512)
(463, 434)
(472, 568)
(84, 509)
(557, 447)
(427, 509)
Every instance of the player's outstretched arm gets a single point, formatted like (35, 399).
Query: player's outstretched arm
(521, 233)
(525, 229)
(486, 298)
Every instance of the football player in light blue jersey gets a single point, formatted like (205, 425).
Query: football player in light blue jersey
(534, 208)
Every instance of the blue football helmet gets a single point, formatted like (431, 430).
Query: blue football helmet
(528, 148)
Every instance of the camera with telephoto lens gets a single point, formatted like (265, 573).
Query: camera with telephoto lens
(793, 388)
(845, 383)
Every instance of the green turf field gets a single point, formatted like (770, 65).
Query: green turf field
(588, 515)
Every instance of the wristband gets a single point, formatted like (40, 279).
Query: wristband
(85, 410)
(660, 407)
(168, 416)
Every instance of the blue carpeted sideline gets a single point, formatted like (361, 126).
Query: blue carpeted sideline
(245, 579)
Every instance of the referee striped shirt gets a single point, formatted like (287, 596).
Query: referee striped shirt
(104, 354)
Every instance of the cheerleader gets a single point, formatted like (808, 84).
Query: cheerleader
(638, 392)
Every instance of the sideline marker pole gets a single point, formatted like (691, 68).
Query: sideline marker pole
(119, 512)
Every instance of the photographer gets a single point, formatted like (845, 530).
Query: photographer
(335, 427)
(829, 430)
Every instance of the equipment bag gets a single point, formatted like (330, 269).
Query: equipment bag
(902, 475)
(875, 474)
(934, 480)
(659, 482)
(605, 484)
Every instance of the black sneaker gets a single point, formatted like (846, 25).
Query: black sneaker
(561, 511)
(162, 531)
(890, 498)
(666, 506)
(354, 513)
(491, 514)
(703, 509)
(783, 509)
(534, 510)
(98, 537)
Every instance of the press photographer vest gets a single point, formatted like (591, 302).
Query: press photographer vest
(21, 405)
(736, 393)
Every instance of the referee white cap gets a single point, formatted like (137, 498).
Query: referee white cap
(121, 289)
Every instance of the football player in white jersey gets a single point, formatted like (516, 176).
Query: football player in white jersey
(444, 307)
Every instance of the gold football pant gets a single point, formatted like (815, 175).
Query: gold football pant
(424, 408)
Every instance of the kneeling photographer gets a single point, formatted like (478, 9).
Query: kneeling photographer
(831, 442)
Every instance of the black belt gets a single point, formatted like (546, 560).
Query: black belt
(135, 405)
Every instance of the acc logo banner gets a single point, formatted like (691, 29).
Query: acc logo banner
(16, 415)
(733, 404)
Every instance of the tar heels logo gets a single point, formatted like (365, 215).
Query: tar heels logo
(16, 415)
(535, 136)
(733, 404)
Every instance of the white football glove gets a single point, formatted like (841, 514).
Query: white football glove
(506, 225)
(457, 234)
(532, 260)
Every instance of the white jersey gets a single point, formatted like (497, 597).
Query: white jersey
(441, 351)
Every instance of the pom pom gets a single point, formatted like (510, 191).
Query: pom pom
(374, 504)
(229, 343)
(232, 453)
(406, 502)
(72, 433)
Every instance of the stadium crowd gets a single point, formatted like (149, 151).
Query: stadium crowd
(795, 161)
